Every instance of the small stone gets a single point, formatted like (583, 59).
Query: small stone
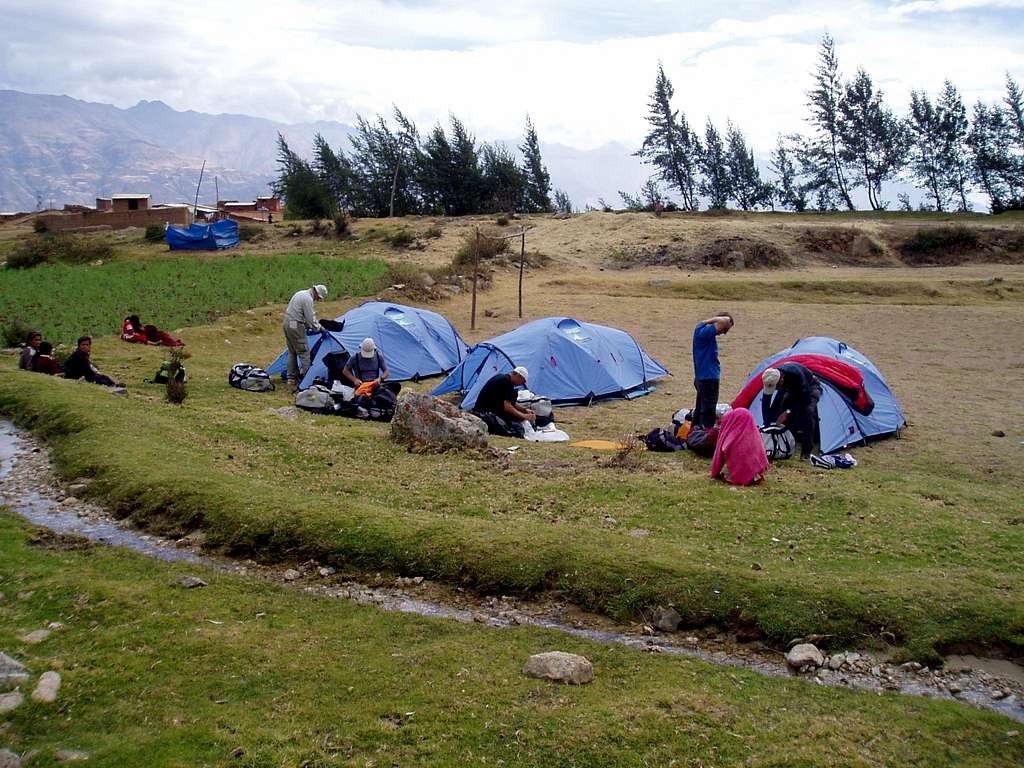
(47, 688)
(55, 626)
(560, 666)
(998, 433)
(690, 640)
(190, 582)
(910, 666)
(756, 567)
(70, 755)
(1012, 734)
(326, 571)
(480, 618)
(9, 759)
(34, 638)
(237, 752)
(12, 671)
(10, 701)
(667, 619)
(292, 575)
(638, 533)
(836, 662)
(954, 688)
(805, 655)
(119, 391)
(999, 695)
(852, 657)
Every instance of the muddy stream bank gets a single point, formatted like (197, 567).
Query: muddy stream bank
(30, 488)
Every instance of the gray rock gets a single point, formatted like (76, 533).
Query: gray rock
(426, 280)
(326, 571)
(292, 575)
(560, 666)
(735, 260)
(33, 638)
(70, 755)
(667, 619)
(190, 582)
(118, 391)
(12, 671)
(47, 688)
(837, 661)
(425, 423)
(659, 283)
(9, 759)
(10, 701)
(805, 655)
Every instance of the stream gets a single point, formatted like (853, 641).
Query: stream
(30, 488)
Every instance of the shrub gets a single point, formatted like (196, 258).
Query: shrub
(14, 333)
(250, 233)
(71, 250)
(938, 245)
(177, 391)
(502, 221)
(27, 255)
(39, 225)
(318, 228)
(154, 233)
(491, 246)
(294, 230)
(401, 238)
(342, 225)
(432, 232)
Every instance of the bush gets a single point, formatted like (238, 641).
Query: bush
(938, 245)
(401, 238)
(433, 232)
(39, 225)
(27, 255)
(250, 233)
(492, 245)
(154, 233)
(319, 228)
(342, 225)
(14, 333)
(177, 391)
(50, 249)
(502, 221)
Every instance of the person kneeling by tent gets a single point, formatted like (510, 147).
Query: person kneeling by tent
(79, 365)
(791, 394)
(496, 404)
(134, 332)
(367, 371)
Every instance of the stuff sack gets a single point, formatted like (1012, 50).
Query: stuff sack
(702, 441)
(316, 398)
(164, 374)
(779, 442)
(663, 441)
(250, 378)
(380, 406)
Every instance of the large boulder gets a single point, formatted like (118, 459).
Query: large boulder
(429, 425)
(560, 666)
(805, 655)
(666, 619)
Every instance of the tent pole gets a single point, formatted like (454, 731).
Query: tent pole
(476, 268)
(195, 208)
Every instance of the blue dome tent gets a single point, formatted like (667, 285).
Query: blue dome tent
(840, 423)
(569, 362)
(415, 343)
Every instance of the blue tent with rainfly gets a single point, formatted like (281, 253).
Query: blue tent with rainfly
(203, 237)
(840, 423)
(570, 362)
(415, 343)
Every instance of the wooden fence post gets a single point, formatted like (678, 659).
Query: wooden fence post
(476, 269)
(522, 261)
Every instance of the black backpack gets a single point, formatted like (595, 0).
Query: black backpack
(702, 441)
(662, 440)
(164, 374)
(250, 378)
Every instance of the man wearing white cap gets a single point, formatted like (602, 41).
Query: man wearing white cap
(790, 397)
(298, 318)
(497, 405)
(366, 366)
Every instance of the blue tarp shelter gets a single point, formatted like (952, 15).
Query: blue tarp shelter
(415, 343)
(203, 237)
(840, 425)
(569, 362)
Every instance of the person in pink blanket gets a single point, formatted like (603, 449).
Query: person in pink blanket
(740, 451)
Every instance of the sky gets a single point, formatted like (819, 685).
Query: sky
(582, 69)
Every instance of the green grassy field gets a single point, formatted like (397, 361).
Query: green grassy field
(246, 673)
(65, 301)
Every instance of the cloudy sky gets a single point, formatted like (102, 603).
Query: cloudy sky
(582, 68)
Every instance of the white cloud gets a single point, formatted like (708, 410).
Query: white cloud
(583, 70)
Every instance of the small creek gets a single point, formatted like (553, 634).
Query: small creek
(29, 488)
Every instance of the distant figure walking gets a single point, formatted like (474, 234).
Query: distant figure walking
(299, 317)
(707, 372)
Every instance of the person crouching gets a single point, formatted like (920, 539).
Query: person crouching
(790, 397)
(496, 405)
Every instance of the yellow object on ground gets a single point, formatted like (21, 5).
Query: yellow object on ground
(597, 445)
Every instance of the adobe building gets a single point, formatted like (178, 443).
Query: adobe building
(129, 202)
(119, 212)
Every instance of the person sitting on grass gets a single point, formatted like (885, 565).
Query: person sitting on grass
(44, 362)
(79, 365)
(32, 341)
(496, 404)
(367, 367)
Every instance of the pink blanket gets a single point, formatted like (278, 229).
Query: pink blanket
(739, 449)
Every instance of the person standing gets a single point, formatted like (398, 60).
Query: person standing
(790, 397)
(707, 372)
(299, 317)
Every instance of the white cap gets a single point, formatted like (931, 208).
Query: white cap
(321, 291)
(367, 348)
(770, 380)
(522, 372)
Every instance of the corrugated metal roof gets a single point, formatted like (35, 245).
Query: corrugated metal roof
(127, 196)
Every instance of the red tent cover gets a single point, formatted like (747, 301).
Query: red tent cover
(845, 378)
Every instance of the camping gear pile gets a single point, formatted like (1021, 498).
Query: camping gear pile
(249, 378)
(369, 402)
(202, 237)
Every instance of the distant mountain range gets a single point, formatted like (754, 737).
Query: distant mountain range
(56, 150)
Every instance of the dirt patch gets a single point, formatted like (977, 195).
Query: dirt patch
(844, 246)
(955, 245)
(731, 253)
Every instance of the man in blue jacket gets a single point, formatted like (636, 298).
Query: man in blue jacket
(706, 370)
